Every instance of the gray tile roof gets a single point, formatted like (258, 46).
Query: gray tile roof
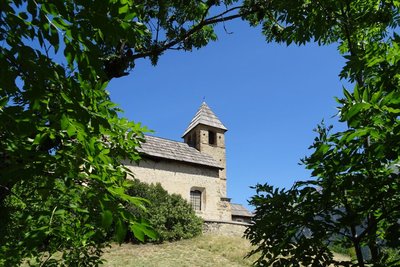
(168, 149)
(205, 116)
(239, 210)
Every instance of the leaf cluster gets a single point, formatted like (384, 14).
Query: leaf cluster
(354, 198)
(63, 144)
(171, 216)
(322, 21)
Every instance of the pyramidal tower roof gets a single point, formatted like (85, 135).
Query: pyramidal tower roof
(205, 116)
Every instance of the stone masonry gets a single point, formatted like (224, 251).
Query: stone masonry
(195, 168)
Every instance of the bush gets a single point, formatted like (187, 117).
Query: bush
(171, 216)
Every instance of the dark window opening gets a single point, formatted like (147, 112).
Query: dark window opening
(194, 139)
(191, 140)
(195, 199)
(211, 137)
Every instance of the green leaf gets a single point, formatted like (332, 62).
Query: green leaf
(347, 94)
(129, 16)
(356, 134)
(39, 138)
(356, 93)
(366, 95)
(106, 219)
(376, 97)
(395, 111)
(138, 231)
(71, 130)
(150, 232)
(123, 9)
(64, 122)
(120, 231)
(66, 97)
(355, 110)
(3, 101)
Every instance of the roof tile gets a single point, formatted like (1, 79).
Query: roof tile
(240, 210)
(205, 116)
(164, 148)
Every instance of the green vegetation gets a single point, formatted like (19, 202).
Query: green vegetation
(354, 200)
(170, 216)
(62, 143)
(393, 255)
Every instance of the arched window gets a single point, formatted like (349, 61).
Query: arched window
(195, 199)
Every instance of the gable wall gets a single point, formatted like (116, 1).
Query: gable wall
(180, 178)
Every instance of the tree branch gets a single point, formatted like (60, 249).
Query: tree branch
(212, 20)
(352, 48)
(225, 12)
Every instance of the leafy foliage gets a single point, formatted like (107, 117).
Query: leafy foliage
(287, 227)
(62, 181)
(62, 143)
(354, 198)
(170, 216)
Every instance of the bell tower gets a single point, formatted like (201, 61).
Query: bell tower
(206, 133)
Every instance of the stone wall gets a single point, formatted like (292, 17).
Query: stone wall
(229, 228)
(180, 178)
(217, 151)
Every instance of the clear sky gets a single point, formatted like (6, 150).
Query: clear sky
(269, 96)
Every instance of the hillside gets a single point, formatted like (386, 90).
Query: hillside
(203, 251)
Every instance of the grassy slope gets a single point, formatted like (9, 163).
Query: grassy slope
(203, 251)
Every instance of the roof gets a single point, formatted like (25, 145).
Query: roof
(174, 150)
(239, 210)
(205, 116)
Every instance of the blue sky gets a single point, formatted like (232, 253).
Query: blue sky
(269, 96)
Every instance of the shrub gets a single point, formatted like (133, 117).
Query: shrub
(171, 216)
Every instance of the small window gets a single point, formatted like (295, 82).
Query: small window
(194, 140)
(211, 137)
(195, 199)
(191, 140)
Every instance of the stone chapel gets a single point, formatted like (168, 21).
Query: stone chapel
(194, 168)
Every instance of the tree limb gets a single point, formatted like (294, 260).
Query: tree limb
(168, 45)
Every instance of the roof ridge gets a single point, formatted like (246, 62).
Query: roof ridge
(168, 139)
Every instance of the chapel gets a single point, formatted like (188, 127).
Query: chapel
(194, 168)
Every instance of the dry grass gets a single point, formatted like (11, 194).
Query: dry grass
(202, 251)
